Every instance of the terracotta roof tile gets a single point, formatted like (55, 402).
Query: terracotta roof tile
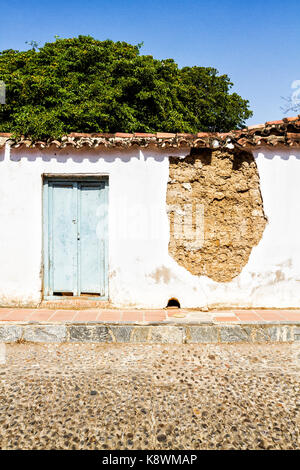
(255, 126)
(185, 135)
(5, 134)
(203, 134)
(270, 123)
(124, 135)
(165, 135)
(291, 119)
(282, 132)
(144, 134)
(79, 134)
(293, 135)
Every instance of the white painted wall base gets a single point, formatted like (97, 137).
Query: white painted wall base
(141, 272)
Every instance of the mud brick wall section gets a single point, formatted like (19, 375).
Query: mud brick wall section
(224, 186)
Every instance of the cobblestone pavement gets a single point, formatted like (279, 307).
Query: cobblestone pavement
(93, 396)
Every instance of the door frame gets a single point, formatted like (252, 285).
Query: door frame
(65, 178)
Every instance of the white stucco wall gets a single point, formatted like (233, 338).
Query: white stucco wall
(141, 272)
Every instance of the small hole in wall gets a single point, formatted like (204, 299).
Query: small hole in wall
(63, 294)
(173, 303)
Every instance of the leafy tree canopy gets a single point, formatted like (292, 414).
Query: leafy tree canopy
(85, 85)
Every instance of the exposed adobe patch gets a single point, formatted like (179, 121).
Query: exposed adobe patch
(221, 190)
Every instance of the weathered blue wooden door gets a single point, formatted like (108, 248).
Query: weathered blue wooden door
(75, 237)
(63, 249)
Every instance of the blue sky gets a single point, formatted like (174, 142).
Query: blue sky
(255, 42)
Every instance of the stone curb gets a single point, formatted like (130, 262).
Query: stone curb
(93, 332)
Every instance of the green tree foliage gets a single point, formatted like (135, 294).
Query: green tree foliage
(84, 85)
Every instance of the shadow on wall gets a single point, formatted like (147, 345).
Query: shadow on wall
(90, 154)
(283, 156)
(76, 155)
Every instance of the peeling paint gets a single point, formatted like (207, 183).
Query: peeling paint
(161, 274)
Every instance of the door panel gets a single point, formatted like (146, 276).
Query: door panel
(63, 259)
(91, 254)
